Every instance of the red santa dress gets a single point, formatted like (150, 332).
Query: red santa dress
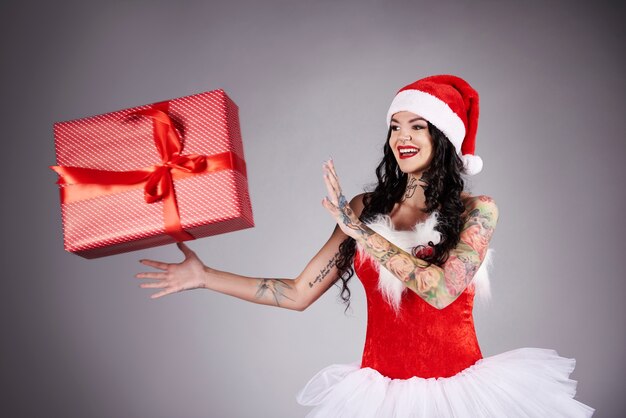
(419, 361)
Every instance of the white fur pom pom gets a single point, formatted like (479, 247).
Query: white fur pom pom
(473, 163)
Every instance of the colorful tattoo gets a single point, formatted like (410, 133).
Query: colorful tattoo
(440, 286)
(276, 286)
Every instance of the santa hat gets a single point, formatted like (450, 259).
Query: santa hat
(449, 103)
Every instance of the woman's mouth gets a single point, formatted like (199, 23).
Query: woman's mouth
(407, 151)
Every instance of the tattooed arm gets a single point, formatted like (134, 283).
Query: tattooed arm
(439, 286)
(296, 294)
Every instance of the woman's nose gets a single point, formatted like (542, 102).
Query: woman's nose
(405, 136)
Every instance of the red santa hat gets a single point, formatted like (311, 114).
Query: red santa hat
(449, 103)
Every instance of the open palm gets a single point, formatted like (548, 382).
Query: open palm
(175, 277)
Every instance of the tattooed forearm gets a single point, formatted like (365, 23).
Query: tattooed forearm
(325, 270)
(459, 270)
(424, 279)
(385, 251)
(275, 287)
(439, 286)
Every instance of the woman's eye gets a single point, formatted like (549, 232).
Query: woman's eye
(417, 127)
(394, 127)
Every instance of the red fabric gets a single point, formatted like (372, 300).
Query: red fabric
(420, 340)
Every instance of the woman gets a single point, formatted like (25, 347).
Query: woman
(420, 247)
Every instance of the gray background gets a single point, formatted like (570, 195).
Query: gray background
(312, 79)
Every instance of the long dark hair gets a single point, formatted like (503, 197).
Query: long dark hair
(444, 185)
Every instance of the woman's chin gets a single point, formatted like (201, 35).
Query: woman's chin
(412, 169)
(416, 167)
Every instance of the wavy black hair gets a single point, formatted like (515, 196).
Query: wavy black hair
(444, 184)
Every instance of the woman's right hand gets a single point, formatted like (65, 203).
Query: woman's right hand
(176, 277)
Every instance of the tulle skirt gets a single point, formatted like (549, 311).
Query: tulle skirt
(526, 382)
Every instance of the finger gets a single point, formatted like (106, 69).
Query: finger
(155, 264)
(332, 193)
(329, 205)
(333, 172)
(338, 199)
(185, 249)
(334, 181)
(154, 285)
(151, 275)
(332, 209)
(331, 183)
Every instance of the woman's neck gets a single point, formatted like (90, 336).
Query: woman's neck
(414, 193)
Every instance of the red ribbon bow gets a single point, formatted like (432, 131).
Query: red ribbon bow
(159, 179)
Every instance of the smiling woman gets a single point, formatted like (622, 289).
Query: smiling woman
(420, 246)
(411, 141)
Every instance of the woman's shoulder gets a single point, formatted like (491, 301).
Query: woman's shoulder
(479, 201)
(356, 204)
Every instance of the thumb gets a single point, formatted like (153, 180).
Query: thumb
(185, 249)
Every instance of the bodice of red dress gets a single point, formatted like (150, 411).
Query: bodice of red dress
(420, 340)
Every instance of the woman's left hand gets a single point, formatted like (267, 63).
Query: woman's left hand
(337, 205)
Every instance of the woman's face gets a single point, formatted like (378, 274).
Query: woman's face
(411, 142)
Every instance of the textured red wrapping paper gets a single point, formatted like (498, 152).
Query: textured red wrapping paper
(105, 219)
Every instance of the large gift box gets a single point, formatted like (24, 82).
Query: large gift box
(152, 175)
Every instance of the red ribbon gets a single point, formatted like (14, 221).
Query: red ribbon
(159, 179)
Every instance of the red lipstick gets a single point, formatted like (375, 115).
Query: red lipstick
(406, 151)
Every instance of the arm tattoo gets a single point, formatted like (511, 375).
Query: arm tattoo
(417, 274)
(346, 213)
(343, 202)
(346, 216)
(325, 270)
(439, 286)
(276, 287)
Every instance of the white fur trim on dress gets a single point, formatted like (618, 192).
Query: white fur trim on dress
(434, 110)
(391, 287)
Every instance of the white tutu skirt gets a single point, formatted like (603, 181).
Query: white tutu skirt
(526, 382)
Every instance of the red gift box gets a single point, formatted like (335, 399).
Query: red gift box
(152, 175)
